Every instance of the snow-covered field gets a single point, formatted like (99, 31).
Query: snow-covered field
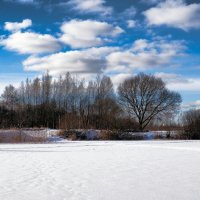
(124, 170)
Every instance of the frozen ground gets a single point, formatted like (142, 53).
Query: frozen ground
(151, 170)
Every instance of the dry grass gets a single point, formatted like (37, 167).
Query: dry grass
(22, 136)
(72, 136)
(108, 135)
(61, 133)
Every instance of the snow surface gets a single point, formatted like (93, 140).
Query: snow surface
(90, 170)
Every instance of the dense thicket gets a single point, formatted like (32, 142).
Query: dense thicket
(191, 120)
(66, 102)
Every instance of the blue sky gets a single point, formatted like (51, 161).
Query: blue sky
(118, 38)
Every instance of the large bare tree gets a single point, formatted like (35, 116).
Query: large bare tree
(146, 97)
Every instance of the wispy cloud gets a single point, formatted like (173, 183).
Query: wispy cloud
(179, 82)
(131, 23)
(91, 6)
(13, 79)
(191, 105)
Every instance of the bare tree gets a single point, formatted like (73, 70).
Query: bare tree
(46, 87)
(10, 100)
(104, 101)
(10, 96)
(146, 97)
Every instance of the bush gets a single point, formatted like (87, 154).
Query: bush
(131, 136)
(73, 134)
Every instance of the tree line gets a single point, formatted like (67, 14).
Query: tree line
(72, 103)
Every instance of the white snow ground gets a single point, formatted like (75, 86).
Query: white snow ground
(138, 170)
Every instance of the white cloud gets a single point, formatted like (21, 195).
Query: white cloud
(91, 60)
(192, 84)
(175, 13)
(17, 26)
(119, 78)
(108, 59)
(25, 1)
(91, 6)
(30, 43)
(131, 23)
(87, 33)
(171, 78)
(151, 1)
(13, 79)
(129, 13)
(191, 105)
(140, 45)
(128, 16)
(145, 54)
(178, 82)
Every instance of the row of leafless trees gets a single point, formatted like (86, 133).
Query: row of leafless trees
(69, 102)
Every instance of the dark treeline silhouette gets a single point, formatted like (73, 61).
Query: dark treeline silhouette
(71, 103)
(191, 120)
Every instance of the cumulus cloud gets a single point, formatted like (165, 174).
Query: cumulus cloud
(91, 6)
(175, 13)
(92, 60)
(17, 26)
(30, 43)
(145, 54)
(87, 33)
(108, 59)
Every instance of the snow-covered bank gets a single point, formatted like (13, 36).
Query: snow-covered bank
(153, 170)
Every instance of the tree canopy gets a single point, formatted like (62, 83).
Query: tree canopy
(146, 97)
